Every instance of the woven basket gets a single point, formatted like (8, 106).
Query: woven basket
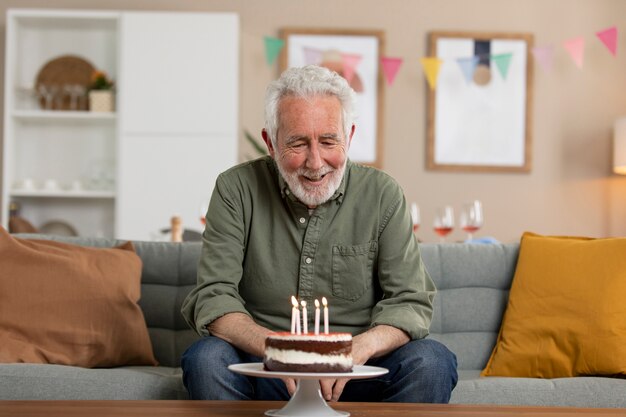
(66, 70)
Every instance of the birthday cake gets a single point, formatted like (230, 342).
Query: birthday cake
(286, 352)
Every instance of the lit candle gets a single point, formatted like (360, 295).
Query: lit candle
(298, 331)
(325, 314)
(294, 302)
(317, 317)
(305, 318)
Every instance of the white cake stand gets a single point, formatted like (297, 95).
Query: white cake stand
(307, 401)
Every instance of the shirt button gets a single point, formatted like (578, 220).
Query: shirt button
(302, 220)
(308, 260)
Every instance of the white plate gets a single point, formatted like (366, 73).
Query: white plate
(358, 372)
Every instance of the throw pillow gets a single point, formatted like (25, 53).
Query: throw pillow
(566, 314)
(71, 305)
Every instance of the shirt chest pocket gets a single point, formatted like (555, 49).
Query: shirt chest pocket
(353, 269)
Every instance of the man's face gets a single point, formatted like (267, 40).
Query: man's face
(311, 148)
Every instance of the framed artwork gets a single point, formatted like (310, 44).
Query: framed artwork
(479, 113)
(354, 54)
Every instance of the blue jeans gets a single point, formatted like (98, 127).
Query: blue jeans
(421, 371)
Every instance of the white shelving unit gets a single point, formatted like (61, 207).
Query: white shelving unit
(174, 129)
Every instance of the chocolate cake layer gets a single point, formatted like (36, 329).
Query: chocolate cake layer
(313, 346)
(275, 366)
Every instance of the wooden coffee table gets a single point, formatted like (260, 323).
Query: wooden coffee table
(257, 409)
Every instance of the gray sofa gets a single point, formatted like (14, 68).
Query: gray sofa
(473, 282)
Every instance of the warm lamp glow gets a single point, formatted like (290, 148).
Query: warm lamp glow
(619, 146)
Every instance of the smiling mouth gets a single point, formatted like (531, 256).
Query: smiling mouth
(314, 179)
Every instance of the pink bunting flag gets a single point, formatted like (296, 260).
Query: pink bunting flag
(576, 49)
(544, 56)
(349, 63)
(609, 39)
(390, 68)
(312, 56)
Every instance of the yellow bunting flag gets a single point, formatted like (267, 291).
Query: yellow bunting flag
(431, 68)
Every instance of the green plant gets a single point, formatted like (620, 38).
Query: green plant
(259, 148)
(101, 81)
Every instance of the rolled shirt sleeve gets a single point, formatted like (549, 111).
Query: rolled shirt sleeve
(220, 264)
(408, 290)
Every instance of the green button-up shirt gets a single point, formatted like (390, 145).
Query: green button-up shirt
(261, 246)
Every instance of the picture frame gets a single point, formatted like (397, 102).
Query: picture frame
(325, 47)
(480, 111)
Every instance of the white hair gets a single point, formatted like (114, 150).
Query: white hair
(306, 82)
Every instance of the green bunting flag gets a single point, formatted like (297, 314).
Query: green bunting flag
(273, 47)
(503, 61)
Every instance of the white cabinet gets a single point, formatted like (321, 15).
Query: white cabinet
(174, 129)
(178, 116)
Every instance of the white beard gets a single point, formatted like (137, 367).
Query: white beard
(313, 196)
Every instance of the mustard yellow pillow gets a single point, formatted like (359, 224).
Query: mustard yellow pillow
(566, 314)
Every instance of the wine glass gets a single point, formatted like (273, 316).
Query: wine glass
(204, 207)
(415, 216)
(48, 92)
(444, 222)
(471, 218)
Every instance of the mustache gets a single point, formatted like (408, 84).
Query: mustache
(315, 174)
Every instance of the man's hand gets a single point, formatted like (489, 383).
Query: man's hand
(290, 383)
(241, 331)
(377, 341)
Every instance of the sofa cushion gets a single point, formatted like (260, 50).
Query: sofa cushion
(71, 305)
(559, 392)
(566, 314)
(25, 381)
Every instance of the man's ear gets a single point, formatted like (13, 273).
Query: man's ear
(268, 142)
(352, 129)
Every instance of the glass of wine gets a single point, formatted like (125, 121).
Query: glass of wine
(415, 216)
(444, 222)
(204, 207)
(471, 218)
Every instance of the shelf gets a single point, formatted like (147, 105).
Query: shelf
(62, 194)
(51, 115)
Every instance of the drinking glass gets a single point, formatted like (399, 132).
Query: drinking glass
(204, 207)
(48, 92)
(444, 222)
(471, 218)
(415, 216)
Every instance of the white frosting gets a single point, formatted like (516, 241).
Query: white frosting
(306, 358)
(335, 337)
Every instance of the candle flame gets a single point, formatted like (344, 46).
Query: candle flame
(303, 303)
(317, 303)
(294, 302)
(324, 301)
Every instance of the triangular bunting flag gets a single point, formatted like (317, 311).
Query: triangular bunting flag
(468, 66)
(503, 61)
(273, 47)
(609, 38)
(576, 49)
(390, 68)
(544, 55)
(431, 68)
(312, 56)
(349, 63)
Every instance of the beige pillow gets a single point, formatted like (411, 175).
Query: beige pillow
(71, 305)
(566, 314)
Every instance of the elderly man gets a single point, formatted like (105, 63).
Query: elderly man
(307, 221)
